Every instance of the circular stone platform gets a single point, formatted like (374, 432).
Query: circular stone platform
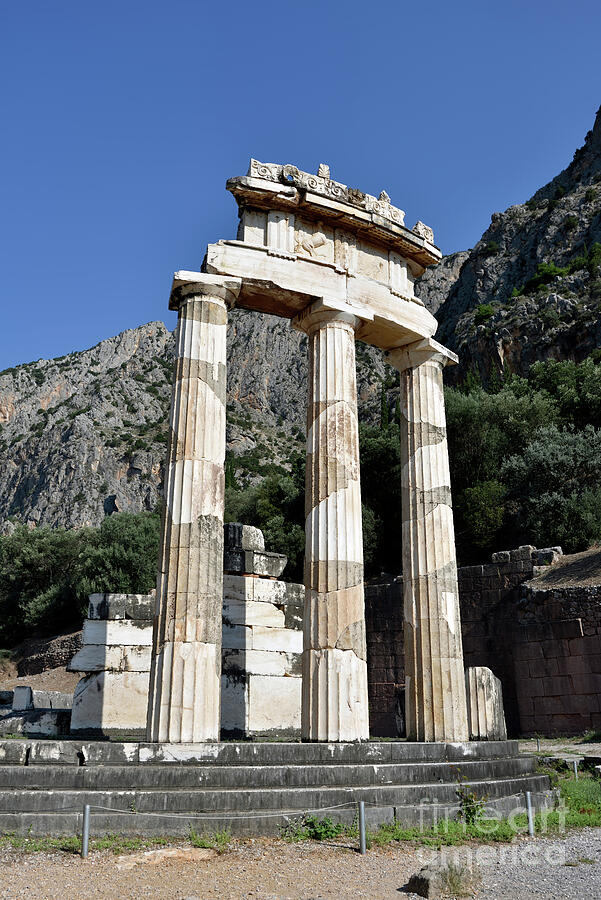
(252, 788)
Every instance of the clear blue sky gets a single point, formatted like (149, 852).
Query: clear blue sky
(122, 120)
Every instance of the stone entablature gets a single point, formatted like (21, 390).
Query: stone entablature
(303, 237)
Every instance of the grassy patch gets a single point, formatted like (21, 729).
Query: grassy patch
(310, 828)
(219, 841)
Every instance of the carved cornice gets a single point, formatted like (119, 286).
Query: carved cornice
(325, 186)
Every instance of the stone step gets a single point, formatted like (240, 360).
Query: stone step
(255, 823)
(37, 777)
(92, 753)
(254, 800)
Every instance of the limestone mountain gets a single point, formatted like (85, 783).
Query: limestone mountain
(531, 287)
(85, 435)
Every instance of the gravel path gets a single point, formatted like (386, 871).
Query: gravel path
(273, 870)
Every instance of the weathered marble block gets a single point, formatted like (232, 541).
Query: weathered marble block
(484, 705)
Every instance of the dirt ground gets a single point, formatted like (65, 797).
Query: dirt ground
(273, 870)
(573, 570)
(50, 680)
(568, 748)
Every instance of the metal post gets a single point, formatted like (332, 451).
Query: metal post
(575, 764)
(85, 833)
(538, 744)
(530, 814)
(362, 841)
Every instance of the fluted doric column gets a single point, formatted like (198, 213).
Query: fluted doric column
(184, 700)
(334, 694)
(436, 707)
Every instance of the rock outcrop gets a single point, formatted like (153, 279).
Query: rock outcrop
(490, 309)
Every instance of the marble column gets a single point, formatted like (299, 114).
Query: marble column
(434, 675)
(334, 692)
(184, 698)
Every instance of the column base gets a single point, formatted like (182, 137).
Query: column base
(187, 693)
(334, 696)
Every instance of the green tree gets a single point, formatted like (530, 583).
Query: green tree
(276, 506)
(46, 574)
(554, 485)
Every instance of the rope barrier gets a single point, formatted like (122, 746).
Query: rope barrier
(186, 815)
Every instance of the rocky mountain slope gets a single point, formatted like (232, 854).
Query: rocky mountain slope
(85, 435)
(531, 287)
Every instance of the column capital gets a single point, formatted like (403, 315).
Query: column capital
(426, 350)
(187, 285)
(323, 312)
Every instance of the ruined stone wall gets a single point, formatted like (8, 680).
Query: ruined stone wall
(544, 645)
(489, 596)
(557, 652)
(385, 657)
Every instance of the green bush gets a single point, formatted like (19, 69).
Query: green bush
(483, 312)
(491, 248)
(46, 574)
(570, 222)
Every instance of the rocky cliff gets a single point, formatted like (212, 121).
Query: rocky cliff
(531, 287)
(85, 435)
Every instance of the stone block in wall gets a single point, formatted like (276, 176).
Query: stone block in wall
(100, 657)
(262, 662)
(541, 668)
(573, 665)
(254, 562)
(546, 556)
(522, 553)
(117, 632)
(252, 613)
(109, 702)
(587, 645)
(261, 705)
(121, 606)
(502, 556)
(242, 537)
(485, 705)
(282, 639)
(22, 697)
(585, 684)
(567, 628)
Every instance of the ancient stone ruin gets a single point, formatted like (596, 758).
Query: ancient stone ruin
(225, 653)
(340, 264)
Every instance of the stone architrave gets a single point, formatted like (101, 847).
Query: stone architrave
(184, 703)
(436, 707)
(334, 700)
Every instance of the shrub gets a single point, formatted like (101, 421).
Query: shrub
(46, 574)
(570, 222)
(483, 312)
(491, 248)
